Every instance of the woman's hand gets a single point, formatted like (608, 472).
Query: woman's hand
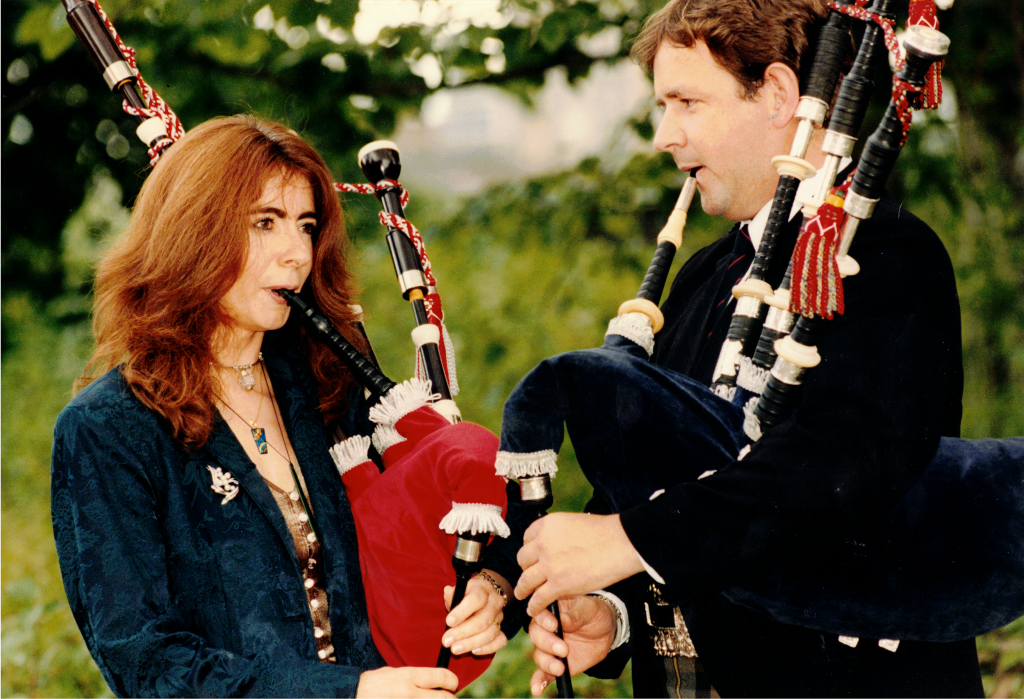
(474, 625)
(407, 682)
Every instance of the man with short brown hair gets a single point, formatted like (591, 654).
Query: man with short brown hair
(726, 73)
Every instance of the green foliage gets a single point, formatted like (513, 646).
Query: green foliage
(43, 652)
(527, 269)
(509, 676)
(293, 61)
(1001, 654)
(974, 211)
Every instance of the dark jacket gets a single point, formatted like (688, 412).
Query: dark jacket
(179, 593)
(868, 421)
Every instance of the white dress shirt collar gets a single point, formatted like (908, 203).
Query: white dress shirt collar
(755, 226)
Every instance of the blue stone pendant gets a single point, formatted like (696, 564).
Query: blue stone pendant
(260, 437)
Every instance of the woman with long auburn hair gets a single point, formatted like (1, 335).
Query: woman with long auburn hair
(205, 540)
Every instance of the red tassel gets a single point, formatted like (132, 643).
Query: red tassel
(922, 12)
(817, 288)
(435, 314)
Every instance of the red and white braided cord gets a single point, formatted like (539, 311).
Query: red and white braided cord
(922, 12)
(432, 300)
(859, 10)
(156, 105)
(392, 221)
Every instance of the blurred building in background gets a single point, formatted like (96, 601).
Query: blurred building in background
(468, 138)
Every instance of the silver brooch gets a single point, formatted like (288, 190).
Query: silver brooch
(223, 484)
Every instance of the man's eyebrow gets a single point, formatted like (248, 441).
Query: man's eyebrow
(670, 94)
(680, 92)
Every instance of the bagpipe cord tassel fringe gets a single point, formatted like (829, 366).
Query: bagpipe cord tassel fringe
(385, 437)
(751, 425)
(751, 377)
(635, 327)
(350, 453)
(723, 391)
(401, 400)
(536, 463)
(474, 518)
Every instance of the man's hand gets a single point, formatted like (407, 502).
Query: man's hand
(588, 624)
(407, 682)
(475, 625)
(567, 554)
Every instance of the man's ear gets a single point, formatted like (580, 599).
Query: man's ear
(780, 93)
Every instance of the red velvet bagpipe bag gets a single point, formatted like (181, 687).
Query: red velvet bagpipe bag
(438, 481)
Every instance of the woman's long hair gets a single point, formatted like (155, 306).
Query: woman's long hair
(158, 289)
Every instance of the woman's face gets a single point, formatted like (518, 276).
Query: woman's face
(282, 225)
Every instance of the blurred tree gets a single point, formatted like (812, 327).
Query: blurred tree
(290, 60)
(298, 61)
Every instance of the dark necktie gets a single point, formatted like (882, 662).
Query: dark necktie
(737, 265)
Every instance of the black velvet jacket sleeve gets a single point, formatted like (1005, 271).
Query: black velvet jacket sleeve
(868, 420)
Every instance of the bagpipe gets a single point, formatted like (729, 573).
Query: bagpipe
(952, 563)
(424, 518)
(423, 521)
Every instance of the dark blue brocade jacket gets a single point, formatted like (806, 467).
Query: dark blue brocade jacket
(178, 593)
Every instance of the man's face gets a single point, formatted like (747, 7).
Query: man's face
(709, 126)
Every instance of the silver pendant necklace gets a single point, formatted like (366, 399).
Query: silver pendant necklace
(246, 379)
